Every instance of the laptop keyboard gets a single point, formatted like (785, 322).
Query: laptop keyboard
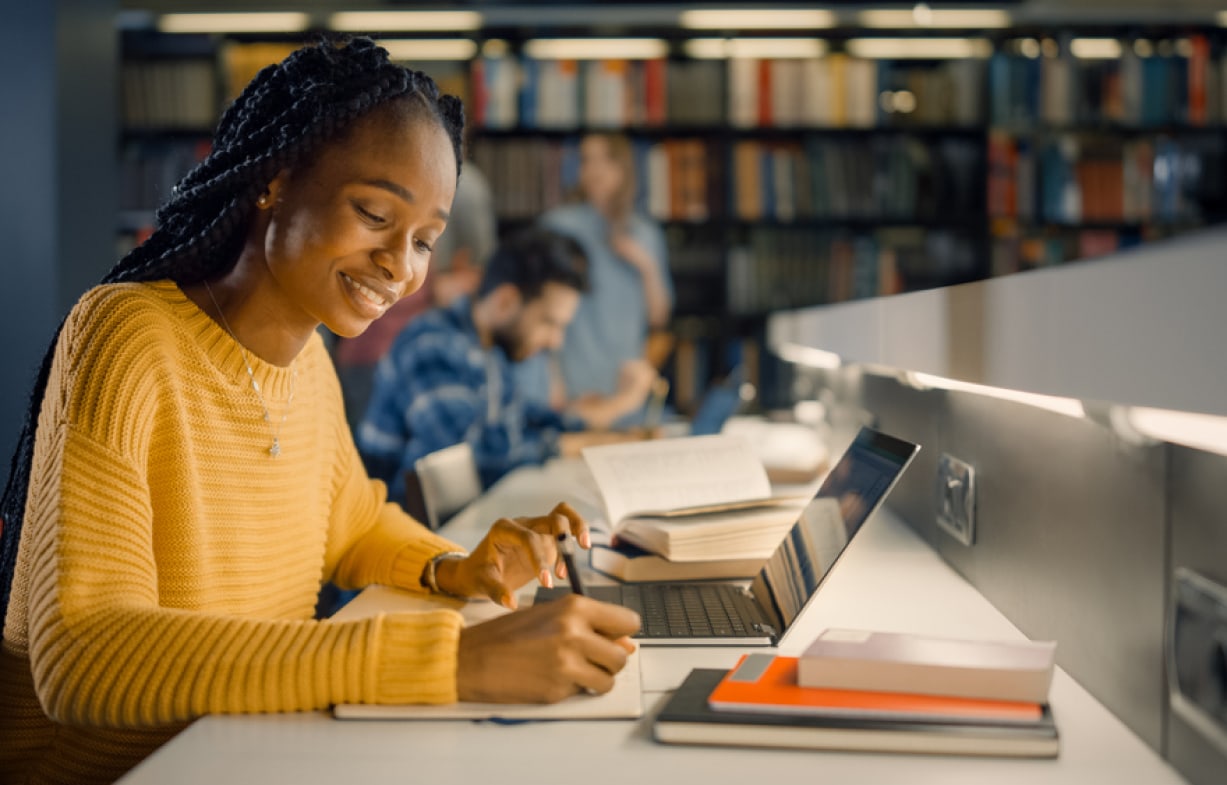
(701, 611)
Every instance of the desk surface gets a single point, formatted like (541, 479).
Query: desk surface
(887, 579)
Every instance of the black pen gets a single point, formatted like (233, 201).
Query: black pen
(568, 558)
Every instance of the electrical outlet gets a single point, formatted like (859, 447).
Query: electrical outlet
(1197, 654)
(956, 498)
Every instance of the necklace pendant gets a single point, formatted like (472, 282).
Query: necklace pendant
(275, 450)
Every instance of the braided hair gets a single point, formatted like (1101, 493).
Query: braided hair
(288, 111)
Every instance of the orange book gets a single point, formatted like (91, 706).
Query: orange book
(765, 113)
(655, 97)
(479, 93)
(768, 683)
(1199, 65)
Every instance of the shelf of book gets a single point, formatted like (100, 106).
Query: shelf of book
(785, 182)
(1017, 247)
(1102, 180)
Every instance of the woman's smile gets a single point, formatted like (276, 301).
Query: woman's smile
(371, 299)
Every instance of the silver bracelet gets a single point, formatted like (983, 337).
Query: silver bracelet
(429, 574)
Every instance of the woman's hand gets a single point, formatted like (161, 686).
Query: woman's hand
(631, 251)
(655, 293)
(514, 552)
(545, 653)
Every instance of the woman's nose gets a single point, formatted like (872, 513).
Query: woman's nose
(393, 259)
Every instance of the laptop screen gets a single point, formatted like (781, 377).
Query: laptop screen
(856, 487)
(719, 404)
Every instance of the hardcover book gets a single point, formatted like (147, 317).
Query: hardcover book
(767, 683)
(628, 562)
(686, 718)
(899, 662)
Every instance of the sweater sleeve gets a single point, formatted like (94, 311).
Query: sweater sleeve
(103, 651)
(142, 609)
(373, 541)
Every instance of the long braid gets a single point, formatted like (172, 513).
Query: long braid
(281, 117)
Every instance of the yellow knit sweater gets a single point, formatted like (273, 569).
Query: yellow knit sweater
(169, 565)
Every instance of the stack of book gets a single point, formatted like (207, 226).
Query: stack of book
(873, 691)
(696, 507)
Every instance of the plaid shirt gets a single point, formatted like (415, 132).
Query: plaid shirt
(438, 386)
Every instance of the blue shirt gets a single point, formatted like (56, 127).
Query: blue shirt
(438, 386)
(611, 324)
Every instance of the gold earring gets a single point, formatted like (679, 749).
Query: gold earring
(262, 202)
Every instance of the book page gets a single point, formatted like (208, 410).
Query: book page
(668, 474)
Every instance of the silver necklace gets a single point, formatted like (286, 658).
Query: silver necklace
(275, 449)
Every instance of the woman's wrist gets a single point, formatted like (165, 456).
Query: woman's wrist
(440, 576)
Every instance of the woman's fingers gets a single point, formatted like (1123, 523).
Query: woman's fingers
(517, 550)
(513, 540)
(608, 655)
(551, 650)
(601, 654)
(613, 621)
(577, 526)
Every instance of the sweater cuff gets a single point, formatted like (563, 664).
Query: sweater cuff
(410, 562)
(417, 655)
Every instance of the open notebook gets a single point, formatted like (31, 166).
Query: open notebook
(624, 701)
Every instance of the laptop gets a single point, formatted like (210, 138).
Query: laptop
(732, 614)
(719, 404)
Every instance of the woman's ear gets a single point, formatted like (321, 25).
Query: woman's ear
(273, 191)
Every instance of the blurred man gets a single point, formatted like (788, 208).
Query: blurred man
(448, 377)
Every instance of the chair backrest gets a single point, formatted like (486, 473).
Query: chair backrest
(448, 479)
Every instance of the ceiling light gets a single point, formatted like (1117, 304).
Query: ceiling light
(1029, 48)
(919, 48)
(1095, 48)
(430, 49)
(774, 48)
(706, 48)
(756, 19)
(596, 48)
(405, 21)
(495, 47)
(271, 22)
(941, 18)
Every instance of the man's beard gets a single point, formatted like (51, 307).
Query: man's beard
(506, 339)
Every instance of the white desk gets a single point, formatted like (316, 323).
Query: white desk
(888, 579)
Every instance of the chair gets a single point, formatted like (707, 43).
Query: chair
(446, 480)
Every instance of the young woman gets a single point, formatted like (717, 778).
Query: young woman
(602, 364)
(186, 479)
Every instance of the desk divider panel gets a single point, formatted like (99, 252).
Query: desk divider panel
(1070, 534)
(1198, 517)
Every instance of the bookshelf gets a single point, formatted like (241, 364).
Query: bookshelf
(790, 181)
(1088, 155)
(785, 182)
(169, 103)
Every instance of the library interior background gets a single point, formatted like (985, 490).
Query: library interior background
(809, 155)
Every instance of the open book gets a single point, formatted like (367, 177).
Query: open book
(691, 499)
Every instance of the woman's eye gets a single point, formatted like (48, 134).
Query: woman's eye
(424, 247)
(367, 214)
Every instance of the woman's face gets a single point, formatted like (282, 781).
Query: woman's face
(600, 176)
(351, 233)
